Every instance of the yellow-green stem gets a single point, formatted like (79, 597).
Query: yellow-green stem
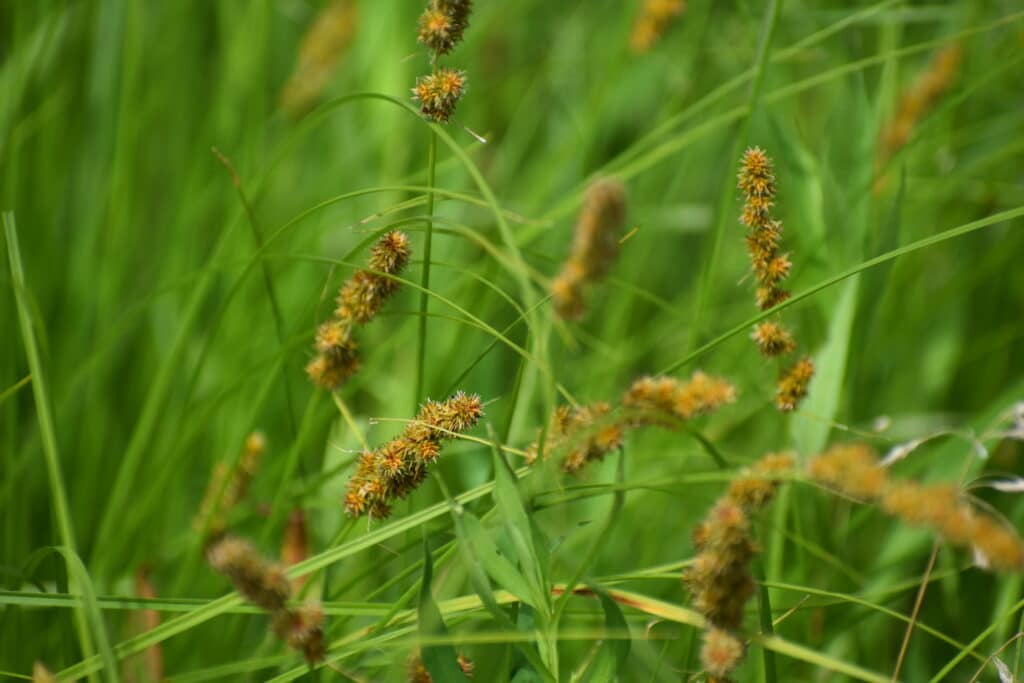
(421, 343)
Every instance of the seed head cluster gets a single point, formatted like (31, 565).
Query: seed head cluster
(585, 434)
(443, 24)
(920, 98)
(322, 48)
(228, 486)
(770, 267)
(652, 21)
(359, 301)
(264, 584)
(594, 248)
(439, 92)
(398, 467)
(853, 470)
(719, 579)
(441, 28)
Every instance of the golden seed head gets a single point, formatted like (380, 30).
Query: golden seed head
(330, 371)
(792, 386)
(852, 469)
(398, 467)
(391, 253)
(721, 652)
(770, 297)
(443, 23)
(757, 486)
(652, 21)
(261, 582)
(773, 339)
(439, 92)
(595, 246)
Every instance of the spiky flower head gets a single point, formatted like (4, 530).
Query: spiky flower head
(757, 179)
(260, 581)
(439, 92)
(756, 487)
(302, 630)
(329, 371)
(443, 24)
(792, 386)
(398, 467)
(366, 292)
(773, 339)
(852, 469)
(391, 253)
(721, 652)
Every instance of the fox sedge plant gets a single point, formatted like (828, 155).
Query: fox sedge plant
(396, 469)
(586, 434)
(264, 584)
(625, 504)
(770, 268)
(441, 27)
(359, 300)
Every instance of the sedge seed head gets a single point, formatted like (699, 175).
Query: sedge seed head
(391, 253)
(721, 652)
(261, 582)
(439, 92)
(852, 469)
(397, 468)
(443, 23)
(770, 297)
(792, 386)
(594, 248)
(773, 339)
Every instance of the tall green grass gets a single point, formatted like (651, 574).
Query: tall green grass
(153, 314)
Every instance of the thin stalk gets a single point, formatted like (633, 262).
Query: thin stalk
(421, 341)
(767, 629)
(78, 579)
(725, 200)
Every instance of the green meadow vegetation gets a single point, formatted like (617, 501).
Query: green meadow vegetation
(592, 340)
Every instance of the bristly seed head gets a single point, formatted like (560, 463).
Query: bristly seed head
(792, 387)
(594, 248)
(773, 339)
(399, 466)
(439, 92)
(443, 24)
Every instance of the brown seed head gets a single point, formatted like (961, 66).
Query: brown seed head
(721, 652)
(773, 339)
(439, 92)
(594, 248)
(792, 387)
(443, 24)
(261, 582)
(851, 469)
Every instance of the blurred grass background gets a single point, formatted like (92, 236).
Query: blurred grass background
(161, 353)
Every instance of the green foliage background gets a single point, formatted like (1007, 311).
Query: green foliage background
(158, 346)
